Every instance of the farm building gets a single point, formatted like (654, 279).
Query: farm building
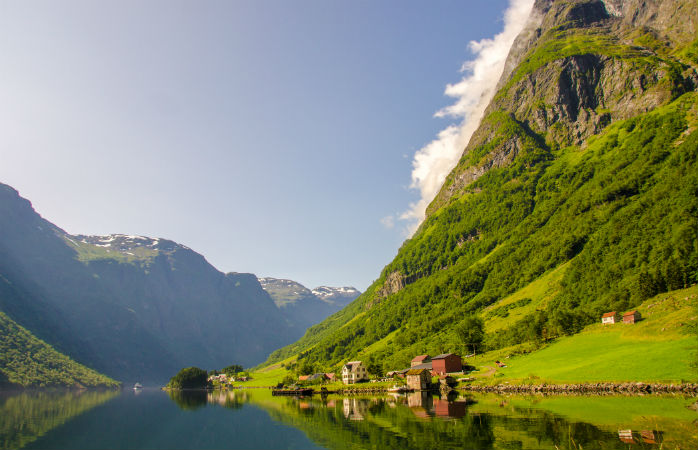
(303, 377)
(353, 372)
(608, 318)
(418, 379)
(419, 360)
(631, 317)
(330, 376)
(317, 376)
(446, 363)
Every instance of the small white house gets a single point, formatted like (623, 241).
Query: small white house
(608, 318)
(353, 372)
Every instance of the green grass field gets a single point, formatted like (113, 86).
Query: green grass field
(663, 347)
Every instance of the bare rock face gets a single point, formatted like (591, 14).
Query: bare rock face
(393, 284)
(577, 67)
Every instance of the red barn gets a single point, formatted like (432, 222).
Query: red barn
(631, 317)
(446, 363)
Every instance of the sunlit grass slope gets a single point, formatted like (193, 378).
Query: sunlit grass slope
(662, 347)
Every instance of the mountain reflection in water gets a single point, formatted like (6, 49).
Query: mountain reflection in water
(253, 418)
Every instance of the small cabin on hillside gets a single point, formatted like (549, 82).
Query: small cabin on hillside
(446, 363)
(631, 317)
(354, 372)
(419, 360)
(418, 379)
(609, 318)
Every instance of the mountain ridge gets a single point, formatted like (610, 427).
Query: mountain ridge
(583, 167)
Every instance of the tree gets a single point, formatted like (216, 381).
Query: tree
(189, 378)
(471, 332)
(375, 369)
(232, 369)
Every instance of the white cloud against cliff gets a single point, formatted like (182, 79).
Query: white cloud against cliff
(433, 162)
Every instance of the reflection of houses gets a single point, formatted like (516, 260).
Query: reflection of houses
(646, 436)
(446, 363)
(421, 403)
(626, 436)
(631, 317)
(418, 379)
(444, 408)
(651, 436)
(354, 408)
(353, 372)
(609, 318)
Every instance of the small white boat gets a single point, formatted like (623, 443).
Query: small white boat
(137, 386)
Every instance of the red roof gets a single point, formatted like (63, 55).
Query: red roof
(420, 358)
(629, 313)
(609, 314)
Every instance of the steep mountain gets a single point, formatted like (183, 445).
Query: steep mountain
(132, 307)
(26, 361)
(577, 194)
(304, 307)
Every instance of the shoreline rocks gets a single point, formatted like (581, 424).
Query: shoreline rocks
(590, 388)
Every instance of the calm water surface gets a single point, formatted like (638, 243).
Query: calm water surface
(252, 418)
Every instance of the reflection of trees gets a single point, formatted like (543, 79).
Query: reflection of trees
(188, 400)
(26, 416)
(381, 423)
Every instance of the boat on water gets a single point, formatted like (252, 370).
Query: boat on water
(137, 386)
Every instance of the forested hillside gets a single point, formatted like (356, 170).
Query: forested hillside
(26, 361)
(577, 195)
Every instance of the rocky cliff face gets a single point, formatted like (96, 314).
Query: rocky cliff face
(578, 67)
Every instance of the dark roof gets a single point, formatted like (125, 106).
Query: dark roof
(443, 356)
(427, 366)
(416, 371)
(315, 376)
(420, 358)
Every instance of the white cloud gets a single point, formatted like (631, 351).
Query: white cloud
(388, 222)
(433, 162)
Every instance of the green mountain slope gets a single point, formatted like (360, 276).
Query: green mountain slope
(27, 361)
(580, 187)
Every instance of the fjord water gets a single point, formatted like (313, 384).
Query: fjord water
(252, 418)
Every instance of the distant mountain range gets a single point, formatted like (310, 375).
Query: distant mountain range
(305, 307)
(140, 308)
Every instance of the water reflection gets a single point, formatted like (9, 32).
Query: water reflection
(26, 416)
(421, 420)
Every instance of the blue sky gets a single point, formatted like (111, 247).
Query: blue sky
(273, 137)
